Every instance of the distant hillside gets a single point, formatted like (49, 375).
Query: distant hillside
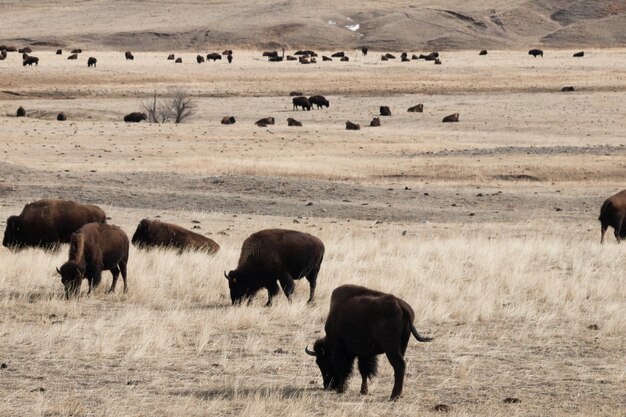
(394, 25)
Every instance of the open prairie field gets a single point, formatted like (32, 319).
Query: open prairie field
(487, 228)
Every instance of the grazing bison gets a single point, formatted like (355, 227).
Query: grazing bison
(612, 214)
(579, 54)
(325, 58)
(451, 118)
(301, 102)
(61, 117)
(73, 56)
(363, 323)
(30, 60)
(264, 122)
(20, 112)
(319, 101)
(214, 56)
(375, 122)
(155, 233)
(418, 108)
(171, 57)
(338, 54)
(59, 51)
(129, 56)
(385, 111)
(228, 120)
(135, 117)
(178, 61)
(271, 255)
(76, 51)
(483, 52)
(536, 52)
(568, 88)
(352, 126)
(26, 50)
(364, 50)
(384, 58)
(91, 62)
(94, 248)
(199, 59)
(48, 223)
(293, 122)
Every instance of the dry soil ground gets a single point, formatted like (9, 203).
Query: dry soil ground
(487, 227)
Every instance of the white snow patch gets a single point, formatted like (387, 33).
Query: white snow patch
(353, 28)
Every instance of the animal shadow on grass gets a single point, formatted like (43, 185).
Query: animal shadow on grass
(231, 393)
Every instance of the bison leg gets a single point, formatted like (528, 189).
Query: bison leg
(272, 290)
(116, 273)
(343, 363)
(603, 228)
(312, 278)
(398, 364)
(367, 368)
(94, 279)
(617, 227)
(122, 267)
(287, 284)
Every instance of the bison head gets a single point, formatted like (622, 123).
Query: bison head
(71, 277)
(13, 233)
(141, 234)
(324, 362)
(239, 289)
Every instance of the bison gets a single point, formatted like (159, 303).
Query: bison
(59, 51)
(325, 58)
(213, 56)
(405, 59)
(344, 59)
(30, 60)
(385, 111)
(429, 57)
(3, 55)
(73, 56)
(291, 58)
(26, 50)
(129, 56)
(94, 248)
(579, 54)
(228, 120)
(227, 52)
(296, 93)
(61, 117)
(568, 88)
(338, 54)
(363, 323)
(482, 52)
(612, 214)
(375, 122)
(199, 59)
(352, 126)
(319, 101)
(76, 51)
(270, 54)
(437, 61)
(91, 62)
(155, 233)
(364, 50)
(178, 61)
(48, 223)
(418, 108)
(229, 58)
(275, 59)
(293, 122)
(301, 102)
(274, 255)
(21, 112)
(264, 122)
(536, 52)
(171, 57)
(135, 117)
(451, 118)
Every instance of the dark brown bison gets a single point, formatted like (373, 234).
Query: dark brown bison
(10, 48)
(568, 88)
(270, 54)
(291, 58)
(364, 50)
(385, 111)
(483, 52)
(363, 323)
(214, 56)
(199, 59)
(76, 51)
(325, 58)
(229, 58)
(24, 55)
(536, 52)
(418, 108)
(135, 117)
(73, 56)
(403, 55)
(275, 255)
(91, 62)
(405, 59)
(437, 61)
(59, 51)
(304, 60)
(301, 102)
(390, 56)
(26, 50)
(129, 56)
(20, 112)
(612, 214)
(414, 57)
(155, 233)
(293, 122)
(384, 58)
(344, 59)
(338, 54)
(227, 52)
(451, 118)
(178, 61)
(579, 54)
(295, 93)
(429, 57)
(264, 122)
(3, 55)
(171, 57)
(61, 117)
(375, 122)
(48, 223)
(319, 101)
(94, 248)
(352, 126)
(228, 120)
(275, 59)
(30, 60)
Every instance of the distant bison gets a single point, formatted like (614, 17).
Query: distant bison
(291, 58)
(385, 111)
(199, 59)
(264, 122)
(301, 102)
(429, 57)
(94, 248)
(344, 59)
(48, 223)
(213, 56)
(352, 126)
(227, 52)
(363, 323)
(295, 93)
(228, 120)
(275, 59)
(26, 50)
(171, 57)
(30, 60)
(437, 61)
(274, 255)
(325, 58)
(135, 117)
(405, 59)
(364, 50)
(293, 122)
(229, 58)
(483, 52)
(178, 61)
(76, 51)
(20, 112)
(319, 101)
(155, 233)
(567, 88)
(375, 122)
(338, 54)
(451, 118)
(270, 54)
(61, 117)
(91, 62)
(612, 214)
(390, 56)
(129, 56)
(418, 108)
(384, 58)
(73, 56)
(579, 54)
(536, 52)
(59, 51)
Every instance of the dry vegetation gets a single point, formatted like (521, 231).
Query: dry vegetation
(486, 227)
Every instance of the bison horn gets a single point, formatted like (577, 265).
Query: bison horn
(309, 352)
(58, 271)
(226, 275)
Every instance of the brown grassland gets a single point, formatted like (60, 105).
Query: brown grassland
(487, 227)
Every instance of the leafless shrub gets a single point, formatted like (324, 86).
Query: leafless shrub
(178, 108)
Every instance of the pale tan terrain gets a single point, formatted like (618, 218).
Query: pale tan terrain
(487, 227)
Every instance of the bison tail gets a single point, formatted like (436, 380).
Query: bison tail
(418, 336)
